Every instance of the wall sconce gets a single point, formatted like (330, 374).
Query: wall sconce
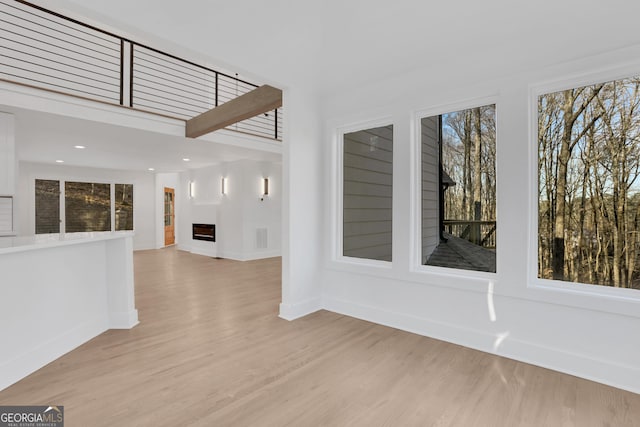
(265, 188)
(192, 189)
(224, 186)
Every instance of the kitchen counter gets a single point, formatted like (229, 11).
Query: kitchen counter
(58, 292)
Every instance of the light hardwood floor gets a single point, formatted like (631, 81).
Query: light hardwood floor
(211, 351)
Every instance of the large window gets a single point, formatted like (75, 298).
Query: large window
(367, 193)
(459, 189)
(88, 206)
(589, 198)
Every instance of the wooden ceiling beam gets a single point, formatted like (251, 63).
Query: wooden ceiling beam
(258, 101)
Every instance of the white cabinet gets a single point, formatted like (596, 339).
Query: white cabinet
(7, 155)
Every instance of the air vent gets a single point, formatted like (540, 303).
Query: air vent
(261, 238)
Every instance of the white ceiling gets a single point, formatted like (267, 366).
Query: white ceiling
(116, 147)
(327, 47)
(331, 45)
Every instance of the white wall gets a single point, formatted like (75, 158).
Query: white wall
(201, 208)
(231, 232)
(237, 214)
(304, 183)
(587, 331)
(143, 195)
(262, 212)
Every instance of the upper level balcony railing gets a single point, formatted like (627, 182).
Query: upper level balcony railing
(43, 49)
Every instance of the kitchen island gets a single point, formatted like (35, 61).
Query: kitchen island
(58, 292)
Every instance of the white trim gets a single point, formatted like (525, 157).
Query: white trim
(617, 375)
(416, 266)
(112, 206)
(62, 203)
(243, 256)
(62, 220)
(35, 358)
(123, 319)
(16, 95)
(337, 165)
(589, 296)
(212, 253)
(301, 309)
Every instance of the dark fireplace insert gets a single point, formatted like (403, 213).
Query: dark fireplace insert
(205, 232)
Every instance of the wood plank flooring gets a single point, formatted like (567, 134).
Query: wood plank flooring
(211, 351)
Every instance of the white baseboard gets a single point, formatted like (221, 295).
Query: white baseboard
(211, 253)
(123, 319)
(251, 256)
(301, 309)
(29, 361)
(602, 371)
(263, 255)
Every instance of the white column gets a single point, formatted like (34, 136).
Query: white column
(120, 285)
(302, 242)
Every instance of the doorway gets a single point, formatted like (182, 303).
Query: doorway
(169, 216)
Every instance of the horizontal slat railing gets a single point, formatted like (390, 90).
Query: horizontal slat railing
(44, 49)
(163, 84)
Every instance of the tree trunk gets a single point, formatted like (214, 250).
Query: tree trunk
(477, 177)
(466, 178)
(567, 142)
(561, 187)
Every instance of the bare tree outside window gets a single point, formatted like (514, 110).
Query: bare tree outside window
(87, 206)
(459, 189)
(588, 187)
(47, 203)
(124, 206)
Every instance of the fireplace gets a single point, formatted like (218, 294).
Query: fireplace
(206, 232)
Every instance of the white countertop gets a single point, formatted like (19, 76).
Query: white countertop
(43, 241)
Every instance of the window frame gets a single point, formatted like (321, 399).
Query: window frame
(482, 277)
(73, 178)
(622, 301)
(337, 251)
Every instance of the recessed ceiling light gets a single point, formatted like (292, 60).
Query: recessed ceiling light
(186, 159)
(151, 169)
(59, 161)
(79, 147)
